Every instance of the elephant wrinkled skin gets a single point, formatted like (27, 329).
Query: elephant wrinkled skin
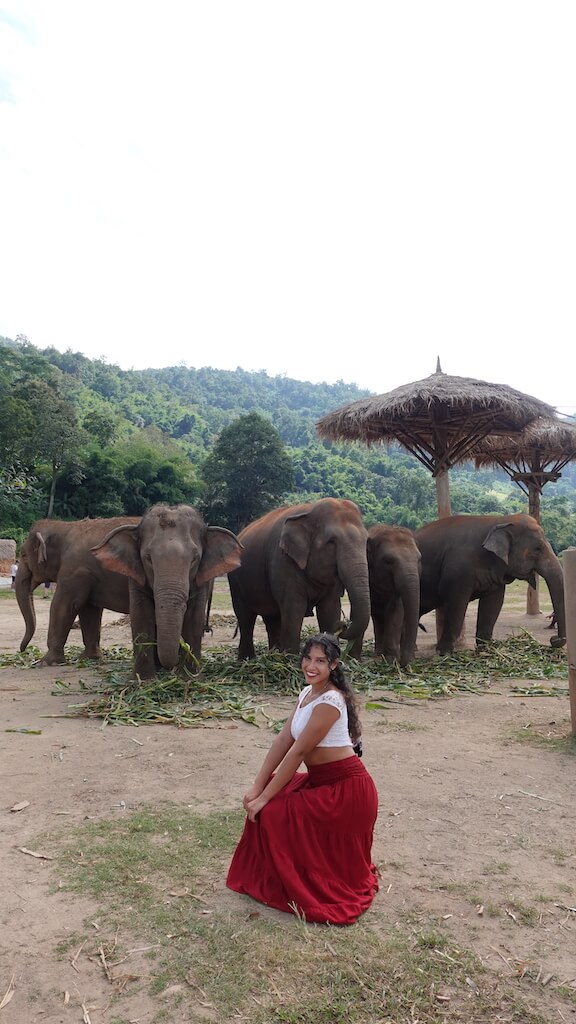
(465, 558)
(296, 559)
(61, 552)
(170, 559)
(394, 575)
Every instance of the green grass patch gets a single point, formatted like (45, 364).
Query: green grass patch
(521, 913)
(551, 736)
(153, 876)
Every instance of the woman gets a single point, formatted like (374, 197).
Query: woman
(306, 846)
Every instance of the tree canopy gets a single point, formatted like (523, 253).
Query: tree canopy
(81, 437)
(246, 474)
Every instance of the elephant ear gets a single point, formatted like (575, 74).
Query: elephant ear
(295, 539)
(222, 553)
(119, 552)
(499, 541)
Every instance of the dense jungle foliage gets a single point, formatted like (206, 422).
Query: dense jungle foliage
(81, 437)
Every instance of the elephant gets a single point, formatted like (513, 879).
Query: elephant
(169, 559)
(60, 551)
(468, 557)
(296, 559)
(394, 576)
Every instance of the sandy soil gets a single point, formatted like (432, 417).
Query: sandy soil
(474, 827)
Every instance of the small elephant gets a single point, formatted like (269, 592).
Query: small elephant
(297, 559)
(394, 574)
(467, 558)
(55, 550)
(170, 558)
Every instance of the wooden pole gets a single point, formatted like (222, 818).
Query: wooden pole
(444, 509)
(443, 494)
(532, 596)
(569, 566)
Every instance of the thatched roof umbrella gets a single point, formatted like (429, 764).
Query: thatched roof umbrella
(439, 420)
(531, 459)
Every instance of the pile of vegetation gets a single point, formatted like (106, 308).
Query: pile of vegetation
(80, 437)
(247, 690)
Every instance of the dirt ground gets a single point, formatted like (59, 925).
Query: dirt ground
(475, 835)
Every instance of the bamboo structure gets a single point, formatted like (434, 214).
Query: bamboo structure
(531, 459)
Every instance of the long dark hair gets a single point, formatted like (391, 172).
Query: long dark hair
(339, 679)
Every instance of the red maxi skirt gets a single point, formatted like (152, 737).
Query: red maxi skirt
(309, 850)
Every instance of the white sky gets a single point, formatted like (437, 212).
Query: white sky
(322, 189)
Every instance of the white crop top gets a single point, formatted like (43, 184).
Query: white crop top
(337, 735)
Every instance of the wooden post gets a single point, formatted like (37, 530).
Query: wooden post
(443, 494)
(532, 596)
(569, 566)
(444, 509)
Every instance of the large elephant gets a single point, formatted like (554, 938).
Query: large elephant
(465, 558)
(296, 559)
(170, 557)
(58, 551)
(394, 576)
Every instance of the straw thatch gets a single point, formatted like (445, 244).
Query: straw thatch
(533, 458)
(439, 419)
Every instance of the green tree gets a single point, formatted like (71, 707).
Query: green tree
(247, 473)
(54, 436)
(101, 425)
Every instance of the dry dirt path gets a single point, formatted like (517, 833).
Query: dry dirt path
(470, 818)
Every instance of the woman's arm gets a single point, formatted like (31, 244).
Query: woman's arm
(275, 755)
(321, 721)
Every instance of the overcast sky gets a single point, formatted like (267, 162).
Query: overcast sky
(322, 189)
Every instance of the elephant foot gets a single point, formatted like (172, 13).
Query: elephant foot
(143, 676)
(557, 641)
(444, 649)
(53, 658)
(92, 655)
(146, 668)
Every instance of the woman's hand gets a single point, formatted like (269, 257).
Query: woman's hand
(251, 794)
(254, 806)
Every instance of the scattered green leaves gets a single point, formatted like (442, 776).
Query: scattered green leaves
(225, 688)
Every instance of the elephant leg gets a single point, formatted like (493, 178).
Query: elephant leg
(329, 613)
(453, 615)
(246, 622)
(90, 618)
(489, 608)
(272, 623)
(63, 611)
(386, 629)
(291, 631)
(143, 623)
(378, 621)
(193, 628)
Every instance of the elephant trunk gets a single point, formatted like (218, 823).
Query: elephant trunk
(408, 587)
(24, 587)
(354, 577)
(552, 573)
(170, 600)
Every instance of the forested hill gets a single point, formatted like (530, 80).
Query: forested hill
(180, 400)
(81, 437)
